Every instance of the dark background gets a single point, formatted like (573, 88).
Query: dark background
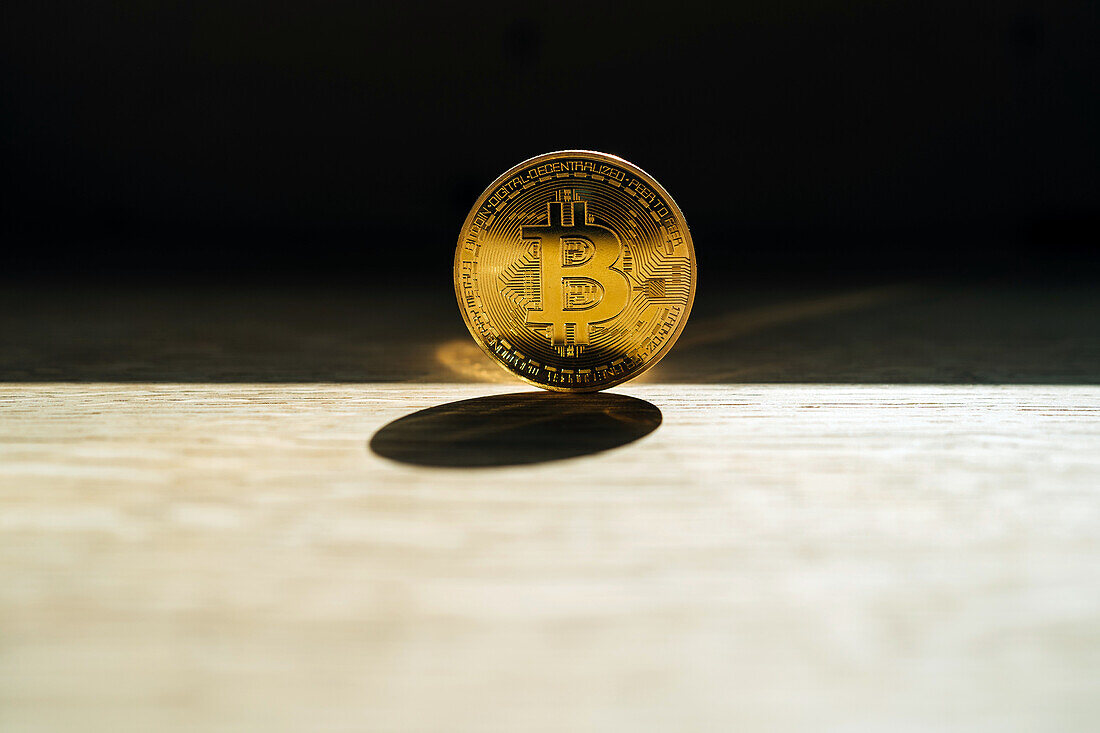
(261, 140)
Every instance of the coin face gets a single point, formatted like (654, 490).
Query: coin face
(575, 271)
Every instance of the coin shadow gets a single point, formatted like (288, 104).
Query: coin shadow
(516, 429)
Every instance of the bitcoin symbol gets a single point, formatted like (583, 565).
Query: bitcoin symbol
(580, 287)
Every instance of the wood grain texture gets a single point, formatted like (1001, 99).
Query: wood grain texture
(233, 557)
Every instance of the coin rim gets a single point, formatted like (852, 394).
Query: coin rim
(606, 158)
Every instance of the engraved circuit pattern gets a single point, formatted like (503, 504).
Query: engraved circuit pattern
(575, 271)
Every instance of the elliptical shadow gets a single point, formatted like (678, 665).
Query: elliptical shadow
(516, 429)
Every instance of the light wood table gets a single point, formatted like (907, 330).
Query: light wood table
(873, 510)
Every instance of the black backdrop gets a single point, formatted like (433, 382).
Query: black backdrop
(233, 139)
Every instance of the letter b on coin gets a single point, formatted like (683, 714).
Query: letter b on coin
(580, 286)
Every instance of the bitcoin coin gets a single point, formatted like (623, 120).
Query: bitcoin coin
(575, 271)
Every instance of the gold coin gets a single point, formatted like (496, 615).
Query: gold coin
(575, 271)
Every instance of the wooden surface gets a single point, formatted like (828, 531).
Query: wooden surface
(186, 547)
